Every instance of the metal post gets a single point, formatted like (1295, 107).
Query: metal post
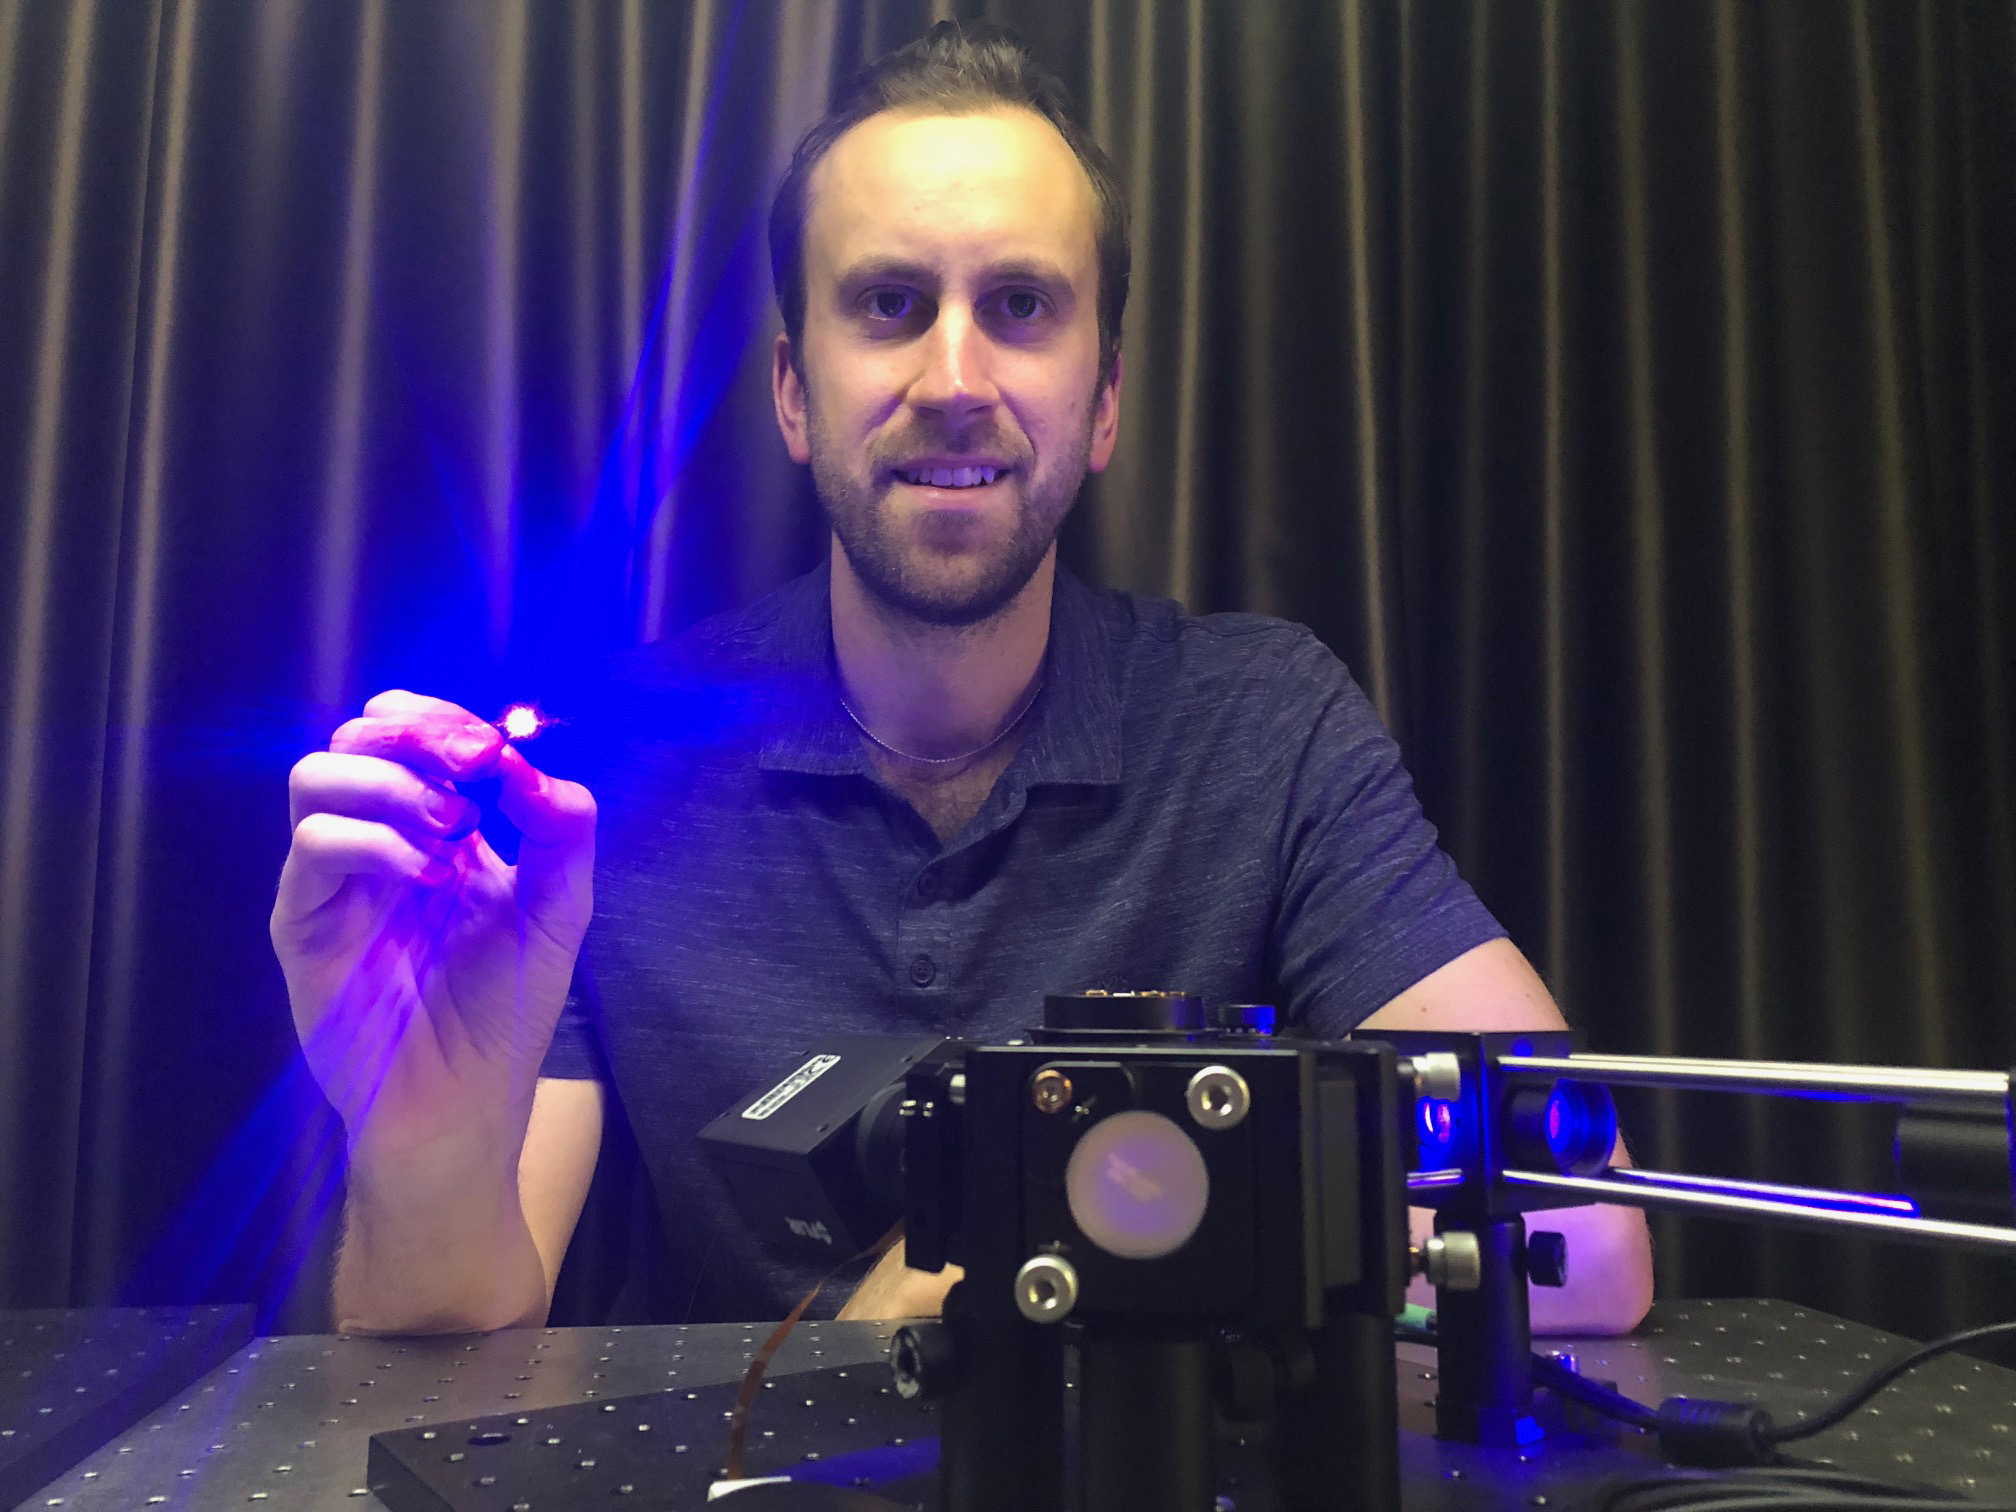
(1337, 1443)
(1484, 1392)
(1002, 1449)
(1145, 1439)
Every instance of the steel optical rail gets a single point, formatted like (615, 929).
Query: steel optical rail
(1960, 1091)
(1508, 1126)
(1985, 1095)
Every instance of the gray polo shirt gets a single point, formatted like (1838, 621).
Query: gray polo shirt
(1205, 804)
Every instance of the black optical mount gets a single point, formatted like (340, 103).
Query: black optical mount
(1468, 1122)
(1209, 1223)
(1208, 1219)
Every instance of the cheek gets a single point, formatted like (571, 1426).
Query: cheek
(854, 398)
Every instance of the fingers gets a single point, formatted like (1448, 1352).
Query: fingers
(430, 735)
(329, 849)
(391, 767)
(556, 859)
(371, 787)
(547, 810)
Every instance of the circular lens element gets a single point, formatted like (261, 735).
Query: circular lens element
(1136, 1186)
(1571, 1125)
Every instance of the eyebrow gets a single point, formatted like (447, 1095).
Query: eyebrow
(873, 270)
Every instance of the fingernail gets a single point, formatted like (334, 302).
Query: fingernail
(467, 750)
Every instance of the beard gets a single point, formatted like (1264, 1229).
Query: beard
(904, 572)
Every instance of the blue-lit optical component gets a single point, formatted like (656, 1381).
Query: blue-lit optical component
(1569, 1125)
(1435, 1134)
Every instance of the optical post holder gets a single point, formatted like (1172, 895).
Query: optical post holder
(1211, 1220)
(1512, 1124)
(1211, 1223)
(1463, 1134)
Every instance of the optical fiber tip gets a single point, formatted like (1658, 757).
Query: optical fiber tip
(521, 722)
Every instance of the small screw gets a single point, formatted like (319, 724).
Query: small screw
(1050, 1089)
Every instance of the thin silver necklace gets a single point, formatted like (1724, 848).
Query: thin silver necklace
(979, 750)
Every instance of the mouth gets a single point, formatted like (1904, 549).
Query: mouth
(951, 476)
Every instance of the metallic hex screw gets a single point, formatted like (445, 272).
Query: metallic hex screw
(1218, 1097)
(1050, 1089)
(1046, 1289)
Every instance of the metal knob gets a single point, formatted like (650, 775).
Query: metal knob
(1547, 1258)
(1452, 1261)
(1046, 1289)
(921, 1358)
(1438, 1076)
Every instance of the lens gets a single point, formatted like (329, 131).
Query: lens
(1570, 1125)
(1137, 1186)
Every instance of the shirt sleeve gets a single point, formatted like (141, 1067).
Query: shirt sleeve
(1370, 902)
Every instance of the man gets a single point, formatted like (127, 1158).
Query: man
(910, 793)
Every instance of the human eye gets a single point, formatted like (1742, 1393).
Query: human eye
(1023, 306)
(889, 304)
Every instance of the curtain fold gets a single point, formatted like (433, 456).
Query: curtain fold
(1622, 389)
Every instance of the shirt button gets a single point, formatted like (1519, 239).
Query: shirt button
(927, 886)
(922, 971)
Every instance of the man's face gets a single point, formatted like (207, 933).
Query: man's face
(947, 392)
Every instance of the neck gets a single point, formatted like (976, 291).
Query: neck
(937, 690)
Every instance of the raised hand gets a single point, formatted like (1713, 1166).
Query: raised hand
(425, 974)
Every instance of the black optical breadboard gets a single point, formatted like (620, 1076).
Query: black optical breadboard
(848, 1428)
(1949, 1425)
(73, 1380)
(844, 1426)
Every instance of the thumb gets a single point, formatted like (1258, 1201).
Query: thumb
(556, 857)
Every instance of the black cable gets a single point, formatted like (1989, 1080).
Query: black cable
(1882, 1378)
(1779, 1489)
(1560, 1379)
(1703, 1432)
(1565, 1381)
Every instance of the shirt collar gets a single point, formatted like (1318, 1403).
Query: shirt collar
(1074, 728)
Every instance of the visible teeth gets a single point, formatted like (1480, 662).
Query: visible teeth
(952, 477)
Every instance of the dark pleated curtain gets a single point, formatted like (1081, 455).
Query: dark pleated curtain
(1624, 390)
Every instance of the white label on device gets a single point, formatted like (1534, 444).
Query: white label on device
(791, 1086)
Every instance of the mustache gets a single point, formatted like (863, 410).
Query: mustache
(988, 440)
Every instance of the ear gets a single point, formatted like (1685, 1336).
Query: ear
(787, 391)
(1106, 419)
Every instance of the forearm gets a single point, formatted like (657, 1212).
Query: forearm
(892, 1290)
(1609, 1270)
(438, 1245)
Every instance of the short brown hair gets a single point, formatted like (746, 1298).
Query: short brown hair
(956, 67)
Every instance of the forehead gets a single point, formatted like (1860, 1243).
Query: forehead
(950, 191)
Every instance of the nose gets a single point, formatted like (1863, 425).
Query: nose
(954, 379)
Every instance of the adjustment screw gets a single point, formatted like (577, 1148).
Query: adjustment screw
(1046, 1289)
(1547, 1258)
(1452, 1261)
(1437, 1076)
(1218, 1097)
(1050, 1090)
